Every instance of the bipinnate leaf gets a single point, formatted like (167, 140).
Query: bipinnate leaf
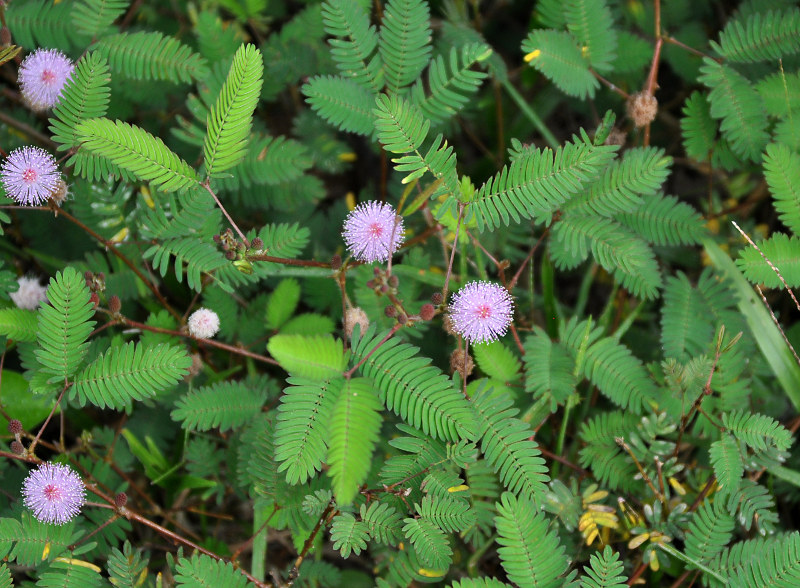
(64, 324)
(137, 151)
(530, 551)
(130, 372)
(353, 432)
(318, 357)
(230, 119)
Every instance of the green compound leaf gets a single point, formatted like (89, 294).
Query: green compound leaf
(758, 431)
(431, 543)
(782, 172)
(355, 423)
(84, 96)
(538, 182)
(405, 42)
(64, 324)
(710, 530)
(318, 358)
(282, 302)
(137, 151)
(480, 583)
(530, 551)
(506, 443)
(737, 103)
(203, 571)
(784, 253)
(230, 119)
(727, 462)
(497, 361)
(353, 50)
(126, 567)
(344, 103)
(766, 36)
(557, 55)
(591, 23)
(415, 390)
(70, 573)
(303, 425)
(698, 127)
(94, 18)
(18, 324)
(348, 534)
(30, 536)
(225, 405)
(604, 571)
(130, 372)
(383, 522)
(449, 90)
(150, 55)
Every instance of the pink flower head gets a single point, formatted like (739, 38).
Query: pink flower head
(42, 77)
(30, 293)
(54, 492)
(203, 323)
(481, 311)
(373, 231)
(29, 175)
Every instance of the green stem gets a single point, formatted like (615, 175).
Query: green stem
(532, 116)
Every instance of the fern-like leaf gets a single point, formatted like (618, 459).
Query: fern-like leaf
(450, 515)
(761, 37)
(126, 567)
(449, 90)
(782, 172)
(404, 43)
(152, 56)
(29, 537)
(199, 256)
(348, 534)
(430, 542)
(604, 571)
(18, 324)
(231, 117)
(755, 505)
(202, 571)
(316, 358)
(497, 361)
(507, 445)
(302, 429)
(698, 127)
(130, 372)
(64, 324)
(549, 369)
(84, 96)
(354, 48)
(727, 463)
(610, 366)
(354, 426)
(268, 160)
(70, 573)
(530, 551)
(622, 185)
(479, 583)
(383, 522)
(665, 220)
(536, 184)
(136, 151)
(682, 334)
(416, 391)
(5, 577)
(225, 406)
(344, 103)
(93, 18)
(42, 23)
(710, 530)
(784, 253)
(758, 431)
(556, 54)
(591, 23)
(777, 564)
(736, 102)
(621, 253)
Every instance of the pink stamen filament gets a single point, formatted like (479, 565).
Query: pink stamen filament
(48, 77)
(484, 311)
(52, 492)
(29, 175)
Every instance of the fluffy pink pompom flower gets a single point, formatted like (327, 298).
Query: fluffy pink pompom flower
(481, 311)
(42, 77)
(29, 175)
(373, 231)
(203, 323)
(30, 293)
(54, 492)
